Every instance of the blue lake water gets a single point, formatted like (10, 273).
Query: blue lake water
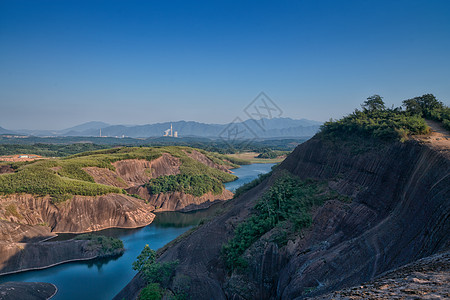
(103, 279)
(247, 173)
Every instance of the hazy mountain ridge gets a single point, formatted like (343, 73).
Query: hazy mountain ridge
(264, 128)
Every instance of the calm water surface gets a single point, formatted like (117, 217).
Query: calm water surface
(103, 279)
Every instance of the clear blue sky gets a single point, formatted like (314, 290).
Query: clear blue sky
(136, 62)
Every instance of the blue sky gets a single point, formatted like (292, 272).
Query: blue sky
(137, 62)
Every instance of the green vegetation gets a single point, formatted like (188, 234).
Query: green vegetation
(11, 210)
(48, 150)
(427, 106)
(107, 246)
(196, 185)
(63, 146)
(285, 207)
(189, 166)
(157, 274)
(271, 154)
(151, 292)
(62, 178)
(39, 179)
(375, 120)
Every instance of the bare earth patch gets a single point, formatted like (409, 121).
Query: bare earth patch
(438, 139)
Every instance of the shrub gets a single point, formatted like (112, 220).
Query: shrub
(378, 122)
(151, 292)
(288, 202)
(107, 245)
(196, 185)
(154, 272)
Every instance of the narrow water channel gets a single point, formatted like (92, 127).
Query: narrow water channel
(103, 279)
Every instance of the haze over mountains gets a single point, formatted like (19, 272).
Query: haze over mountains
(264, 128)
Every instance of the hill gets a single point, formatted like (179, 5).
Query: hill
(343, 208)
(94, 190)
(265, 128)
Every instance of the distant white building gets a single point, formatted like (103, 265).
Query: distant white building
(170, 132)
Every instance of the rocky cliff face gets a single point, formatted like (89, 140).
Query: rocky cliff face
(132, 174)
(399, 213)
(27, 290)
(178, 201)
(79, 214)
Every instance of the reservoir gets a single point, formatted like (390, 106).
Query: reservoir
(104, 278)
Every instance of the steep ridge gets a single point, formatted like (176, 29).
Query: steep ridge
(427, 278)
(399, 213)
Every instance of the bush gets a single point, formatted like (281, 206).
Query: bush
(107, 245)
(378, 122)
(154, 272)
(288, 201)
(196, 185)
(151, 292)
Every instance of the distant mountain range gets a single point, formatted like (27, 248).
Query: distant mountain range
(263, 128)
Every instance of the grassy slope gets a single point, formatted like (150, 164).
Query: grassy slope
(59, 177)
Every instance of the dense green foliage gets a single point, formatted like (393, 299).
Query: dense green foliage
(375, 120)
(106, 245)
(196, 185)
(152, 291)
(154, 272)
(429, 107)
(39, 179)
(63, 146)
(271, 154)
(48, 150)
(158, 276)
(287, 204)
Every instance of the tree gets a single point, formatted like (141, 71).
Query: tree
(373, 103)
(423, 105)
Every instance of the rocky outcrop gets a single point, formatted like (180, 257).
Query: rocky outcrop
(79, 214)
(178, 201)
(27, 290)
(399, 213)
(106, 176)
(427, 278)
(138, 171)
(14, 232)
(18, 257)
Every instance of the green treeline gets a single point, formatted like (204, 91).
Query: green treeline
(196, 185)
(376, 120)
(286, 206)
(427, 106)
(49, 150)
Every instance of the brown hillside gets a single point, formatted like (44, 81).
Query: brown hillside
(399, 214)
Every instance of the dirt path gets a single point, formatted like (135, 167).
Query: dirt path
(438, 139)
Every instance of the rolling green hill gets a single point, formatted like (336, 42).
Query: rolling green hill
(62, 178)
